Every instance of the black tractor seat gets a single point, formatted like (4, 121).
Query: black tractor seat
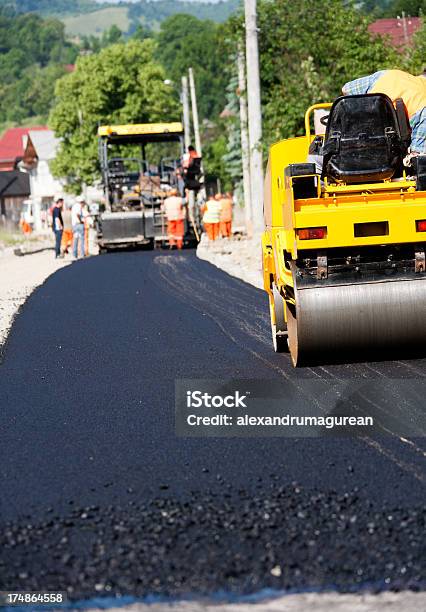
(366, 139)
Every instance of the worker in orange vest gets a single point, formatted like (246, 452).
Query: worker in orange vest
(226, 216)
(174, 210)
(67, 236)
(211, 217)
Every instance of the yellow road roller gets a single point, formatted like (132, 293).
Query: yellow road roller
(345, 234)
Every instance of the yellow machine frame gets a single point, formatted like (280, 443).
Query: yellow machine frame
(140, 129)
(337, 207)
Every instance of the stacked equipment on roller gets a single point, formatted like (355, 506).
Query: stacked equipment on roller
(345, 235)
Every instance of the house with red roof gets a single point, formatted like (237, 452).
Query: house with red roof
(14, 190)
(400, 30)
(40, 150)
(25, 175)
(12, 145)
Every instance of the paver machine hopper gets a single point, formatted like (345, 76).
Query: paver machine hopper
(137, 175)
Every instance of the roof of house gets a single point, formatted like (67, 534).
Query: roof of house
(14, 183)
(394, 28)
(45, 143)
(12, 143)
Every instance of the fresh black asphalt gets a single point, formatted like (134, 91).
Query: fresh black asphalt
(99, 497)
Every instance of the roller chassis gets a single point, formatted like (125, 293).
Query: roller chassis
(342, 264)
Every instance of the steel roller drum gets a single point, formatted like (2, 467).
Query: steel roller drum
(352, 318)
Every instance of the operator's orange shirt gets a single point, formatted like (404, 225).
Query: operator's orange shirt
(399, 84)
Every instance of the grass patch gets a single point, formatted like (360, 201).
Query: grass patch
(97, 22)
(16, 238)
(8, 239)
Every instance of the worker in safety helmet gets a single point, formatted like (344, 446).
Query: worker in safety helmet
(399, 84)
(174, 210)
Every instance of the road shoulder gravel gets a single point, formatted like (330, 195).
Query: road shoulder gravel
(239, 256)
(324, 602)
(19, 276)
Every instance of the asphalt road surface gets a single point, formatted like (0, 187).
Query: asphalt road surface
(99, 496)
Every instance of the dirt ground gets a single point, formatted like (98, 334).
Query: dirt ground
(326, 602)
(238, 256)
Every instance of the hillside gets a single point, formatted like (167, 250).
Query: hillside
(128, 16)
(96, 22)
(88, 17)
(152, 13)
(51, 7)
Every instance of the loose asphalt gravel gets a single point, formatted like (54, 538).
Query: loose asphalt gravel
(98, 495)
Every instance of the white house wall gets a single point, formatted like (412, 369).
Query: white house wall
(42, 182)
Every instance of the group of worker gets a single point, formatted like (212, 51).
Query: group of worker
(217, 217)
(70, 225)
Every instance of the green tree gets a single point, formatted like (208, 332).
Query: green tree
(374, 8)
(416, 59)
(111, 36)
(33, 52)
(93, 44)
(214, 159)
(185, 41)
(141, 32)
(301, 66)
(232, 158)
(42, 41)
(411, 8)
(153, 13)
(121, 84)
(39, 95)
(49, 7)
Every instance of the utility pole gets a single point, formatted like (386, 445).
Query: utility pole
(254, 114)
(405, 29)
(245, 147)
(196, 125)
(186, 116)
(195, 121)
